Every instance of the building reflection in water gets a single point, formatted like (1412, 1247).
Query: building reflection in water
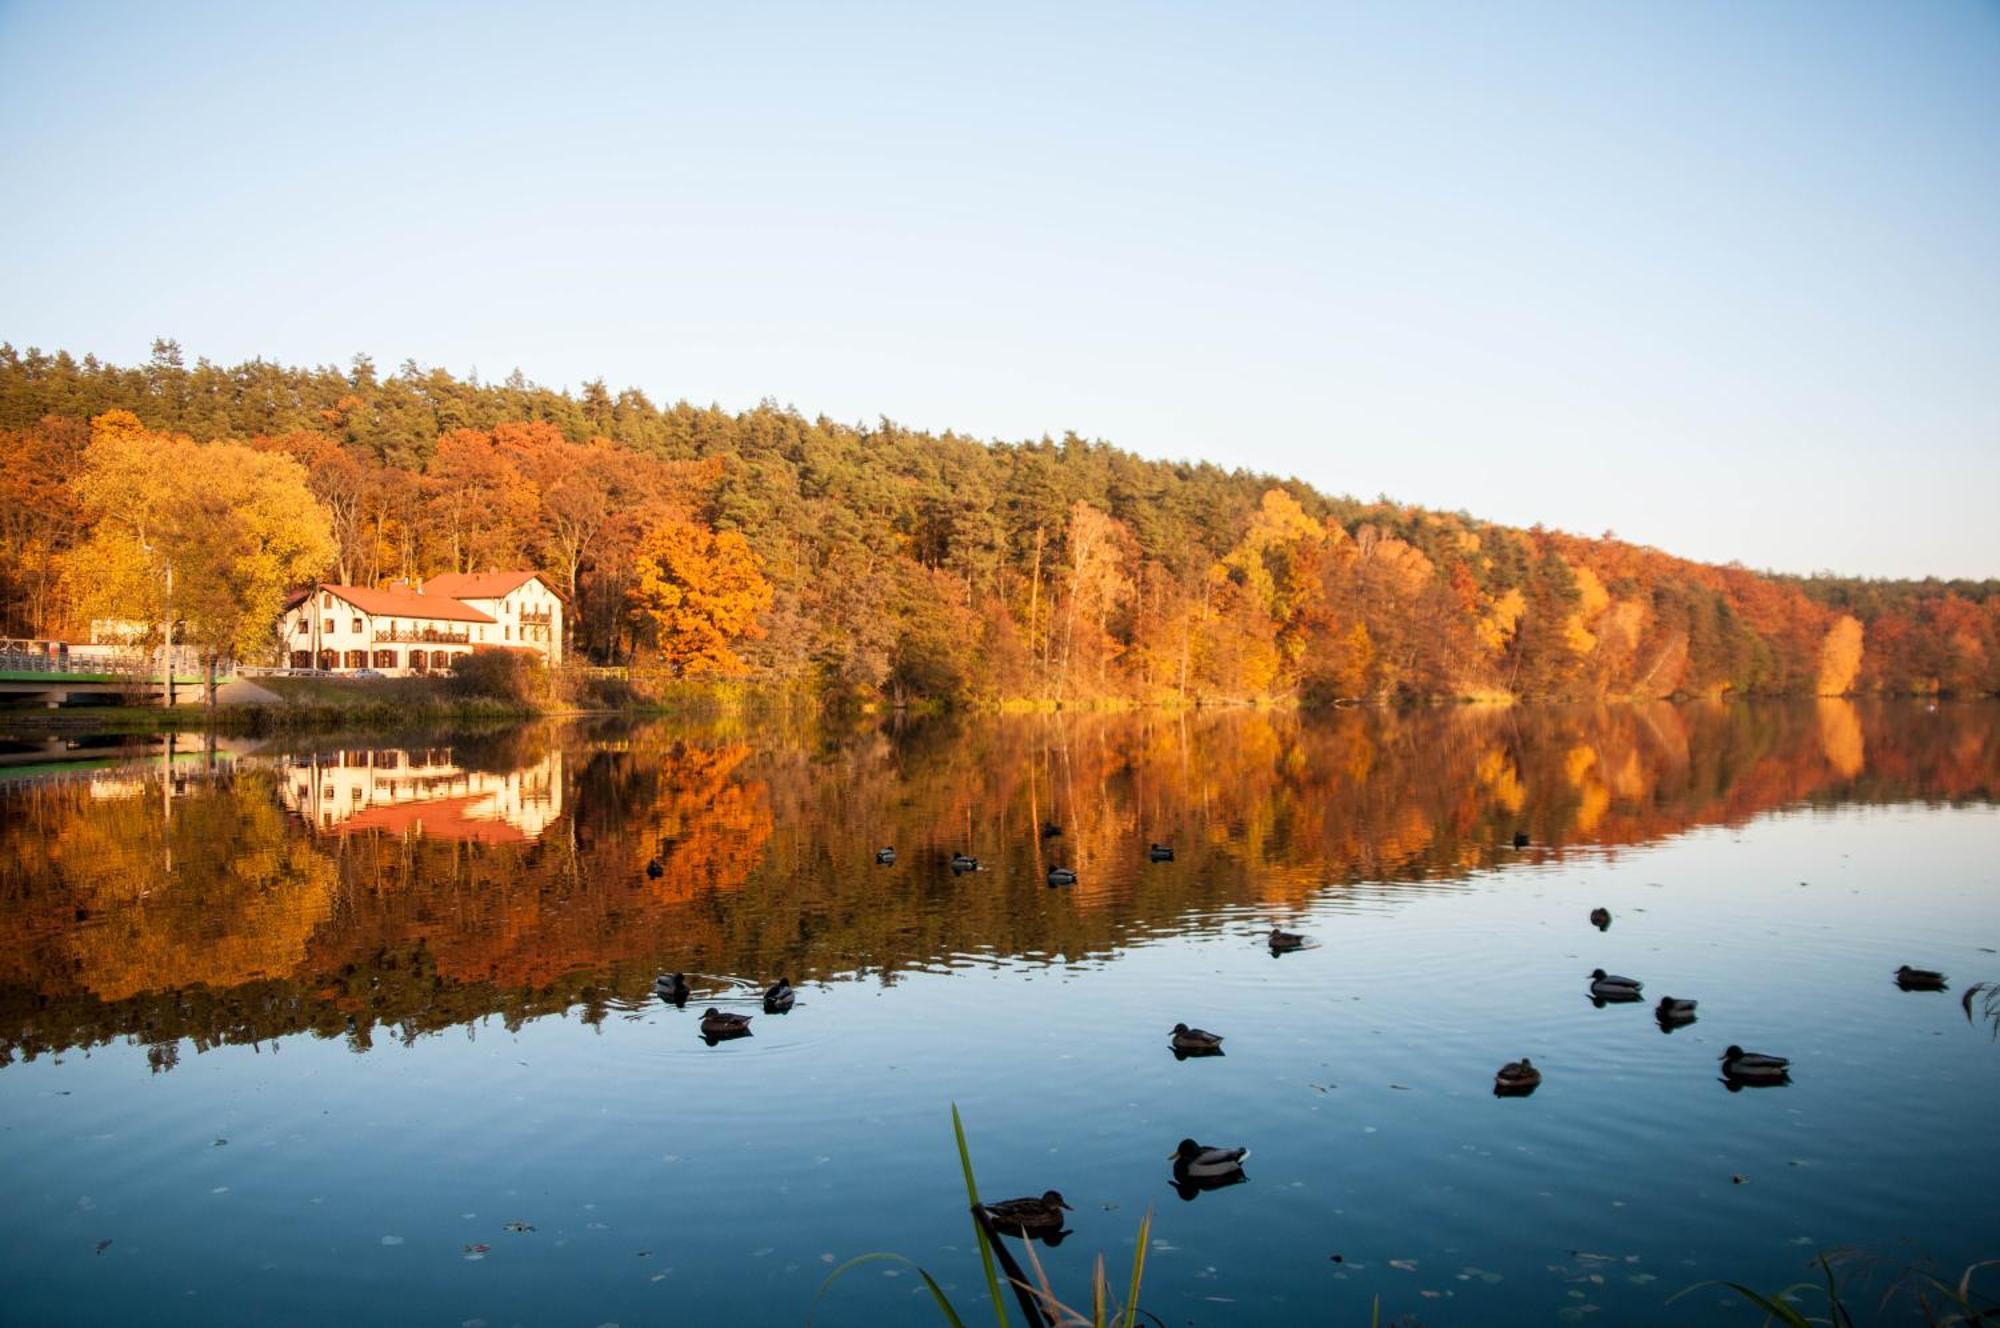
(421, 791)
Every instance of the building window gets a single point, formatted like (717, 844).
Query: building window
(385, 659)
(326, 601)
(357, 659)
(326, 627)
(302, 659)
(506, 634)
(357, 627)
(419, 661)
(305, 627)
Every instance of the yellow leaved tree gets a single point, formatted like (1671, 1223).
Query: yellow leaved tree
(698, 592)
(209, 536)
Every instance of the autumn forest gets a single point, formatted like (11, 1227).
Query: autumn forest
(868, 561)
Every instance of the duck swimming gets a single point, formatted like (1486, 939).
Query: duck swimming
(1285, 940)
(1754, 1067)
(1029, 1214)
(1520, 839)
(1160, 852)
(1197, 1040)
(1600, 918)
(671, 988)
(715, 1024)
(886, 856)
(1673, 1012)
(962, 863)
(778, 996)
(1919, 979)
(1193, 1161)
(1061, 876)
(1610, 987)
(656, 869)
(1517, 1079)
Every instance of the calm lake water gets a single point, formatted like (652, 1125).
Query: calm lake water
(309, 1034)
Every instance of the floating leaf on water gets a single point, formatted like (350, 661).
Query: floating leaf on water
(1407, 1265)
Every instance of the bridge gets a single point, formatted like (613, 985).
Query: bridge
(45, 676)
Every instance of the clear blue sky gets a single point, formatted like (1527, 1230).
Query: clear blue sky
(1723, 277)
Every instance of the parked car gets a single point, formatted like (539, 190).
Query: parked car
(367, 673)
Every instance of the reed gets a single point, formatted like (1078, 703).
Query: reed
(1035, 1295)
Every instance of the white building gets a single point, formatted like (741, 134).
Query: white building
(404, 630)
(529, 613)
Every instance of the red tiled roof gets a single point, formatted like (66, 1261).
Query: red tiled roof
(400, 603)
(481, 585)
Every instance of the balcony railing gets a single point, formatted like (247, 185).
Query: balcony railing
(422, 636)
(538, 618)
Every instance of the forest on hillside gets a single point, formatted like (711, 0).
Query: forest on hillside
(867, 560)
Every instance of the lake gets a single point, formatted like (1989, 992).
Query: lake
(327, 1033)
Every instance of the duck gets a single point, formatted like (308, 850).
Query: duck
(1160, 852)
(1754, 1067)
(1675, 1010)
(656, 869)
(778, 996)
(1919, 979)
(962, 863)
(1610, 987)
(1193, 1161)
(1029, 1214)
(886, 856)
(1050, 830)
(671, 987)
(1600, 918)
(1062, 876)
(1197, 1040)
(716, 1024)
(1520, 839)
(1285, 940)
(1517, 1079)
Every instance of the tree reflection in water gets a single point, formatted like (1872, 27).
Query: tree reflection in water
(427, 887)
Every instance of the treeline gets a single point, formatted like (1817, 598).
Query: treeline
(871, 559)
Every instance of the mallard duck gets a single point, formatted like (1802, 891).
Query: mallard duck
(1610, 987)
(716, 1024)
(778, 996)
(1195, 1039)
(671, 987)
(1754, 1067)
(1061, 876)
(1673, 1011)
(1285, 940)
(1199, 1162)
(1160, 852)
(656, 869)
(1520, 839)
(1050, 830)
(1919, 979)
(885, 855)
(1517, 1079)
(1029, 1214)
(1600, 918)
(962, 863)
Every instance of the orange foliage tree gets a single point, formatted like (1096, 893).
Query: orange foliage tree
(698, 592)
